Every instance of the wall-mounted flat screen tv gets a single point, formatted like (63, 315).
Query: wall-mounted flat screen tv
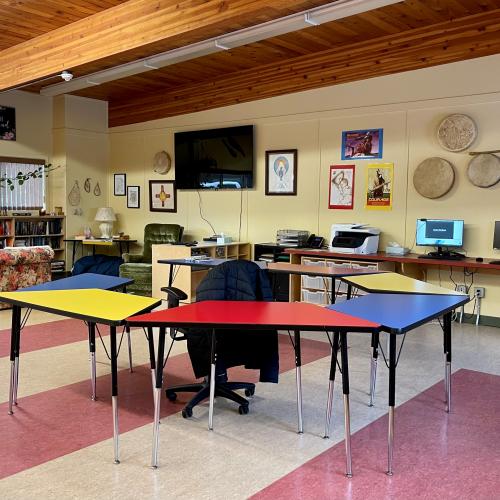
(214, 159)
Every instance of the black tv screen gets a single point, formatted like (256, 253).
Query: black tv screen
(214, 159)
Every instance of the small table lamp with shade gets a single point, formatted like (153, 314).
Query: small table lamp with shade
(106, 216)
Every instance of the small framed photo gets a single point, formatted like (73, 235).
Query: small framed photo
(281, 172)
(162, 196)
(120, 185)
(362, 144)
(7, 123)
(341, 193)
(133, 197)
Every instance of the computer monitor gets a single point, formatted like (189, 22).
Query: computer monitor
(440, 233)
(496, 236)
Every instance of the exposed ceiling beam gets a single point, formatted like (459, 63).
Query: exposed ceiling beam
(466, 38)
(153, 25)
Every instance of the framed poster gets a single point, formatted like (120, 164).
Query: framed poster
(379, 186)
(162, 196)
(120, 185)
(7, 123)
(341, 190)
(362, 144)
(133, 197)
(281, 172)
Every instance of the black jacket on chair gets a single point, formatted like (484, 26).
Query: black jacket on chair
(236, 280)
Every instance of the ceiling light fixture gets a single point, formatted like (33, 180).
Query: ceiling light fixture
(66, 76)
(294, 22)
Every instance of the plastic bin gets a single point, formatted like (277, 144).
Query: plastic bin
(316, 282)
(315, 297)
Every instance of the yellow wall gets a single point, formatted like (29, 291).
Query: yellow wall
(33, 125)
(81, 144)
(407, 106)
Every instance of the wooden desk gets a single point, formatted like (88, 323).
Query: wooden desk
(410, 258)
(99, 242)
(320, 271)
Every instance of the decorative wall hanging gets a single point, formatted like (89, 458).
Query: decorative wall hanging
(434, 177)
(74, 195)
(133, 197)
(341, 191)
(362, 144)
(456, 132)
(281, 172)
(86, 185)
(120, 185)
(7, 123)
(484, 170)
(379, 186)
(162, 196)
(97, 189)
(162, 162)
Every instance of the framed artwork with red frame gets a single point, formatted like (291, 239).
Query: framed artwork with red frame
(341, 187)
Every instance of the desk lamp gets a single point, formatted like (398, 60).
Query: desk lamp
(106, 216)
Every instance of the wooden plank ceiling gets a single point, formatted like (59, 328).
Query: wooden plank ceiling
(409, 35)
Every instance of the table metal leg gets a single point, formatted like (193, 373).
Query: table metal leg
(447, 353)
(152, 360)
(373, 371)
(171, 275)
(157, 396)
(298, 378)
(392, 399)
(213, 361)
(114, 392)
(347, 410)
(129, 339)
(14, 356)
(91, 328)
(332, 300)
(333, 367)
(349, 291)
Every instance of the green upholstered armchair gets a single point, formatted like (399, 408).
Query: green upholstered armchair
(138, 266)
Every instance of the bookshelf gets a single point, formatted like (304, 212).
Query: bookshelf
(187, 278)
(21, 231)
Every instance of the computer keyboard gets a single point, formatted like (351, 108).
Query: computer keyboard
(494, 262)
(452, 256)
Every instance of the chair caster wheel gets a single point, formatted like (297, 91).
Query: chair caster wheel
(249, 392)
(187, 412)
(243, 409)
(171, 396)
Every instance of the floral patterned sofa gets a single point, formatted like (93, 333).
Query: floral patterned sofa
(24, 266)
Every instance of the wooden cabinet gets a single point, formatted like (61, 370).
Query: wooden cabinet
(318, 290)
(185, 277)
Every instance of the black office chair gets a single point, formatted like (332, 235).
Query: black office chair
(233, 280)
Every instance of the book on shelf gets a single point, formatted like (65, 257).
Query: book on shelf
(266, 257)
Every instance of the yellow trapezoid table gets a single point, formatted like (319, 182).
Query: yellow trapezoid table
(90, 305)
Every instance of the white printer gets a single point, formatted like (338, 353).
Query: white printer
(354, 238)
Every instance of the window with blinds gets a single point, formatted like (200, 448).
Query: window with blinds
(27, 194)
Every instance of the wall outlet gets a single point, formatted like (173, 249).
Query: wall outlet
(461, 289)
(479, 292)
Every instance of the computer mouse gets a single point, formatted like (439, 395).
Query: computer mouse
(479, 259)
